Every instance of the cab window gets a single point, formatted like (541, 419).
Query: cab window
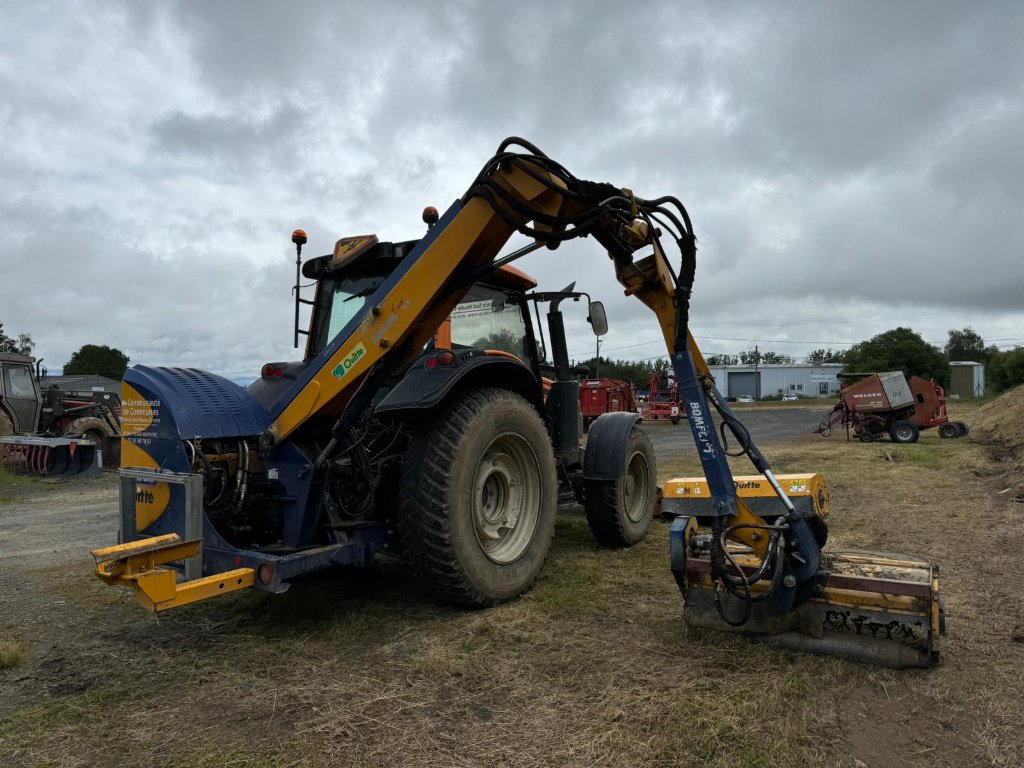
(488, 318)
(339, 301)
(18, 381)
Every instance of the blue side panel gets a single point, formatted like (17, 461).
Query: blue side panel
(201, 404)
(318, 362)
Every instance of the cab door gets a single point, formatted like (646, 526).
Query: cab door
(21, 396)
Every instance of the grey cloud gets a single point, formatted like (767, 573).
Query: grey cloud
(839, 160)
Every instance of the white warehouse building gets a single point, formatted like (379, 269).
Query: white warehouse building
(767, 380)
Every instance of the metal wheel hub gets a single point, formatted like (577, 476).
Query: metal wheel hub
(636, 487)
(506, 498)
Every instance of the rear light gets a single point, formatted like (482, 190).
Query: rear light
(446, 358)
(270, 370)
(431, 362)
(265, 574)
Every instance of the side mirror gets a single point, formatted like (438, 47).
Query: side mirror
(598, 319)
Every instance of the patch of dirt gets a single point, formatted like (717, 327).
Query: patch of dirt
(891, 726)
(594, 667)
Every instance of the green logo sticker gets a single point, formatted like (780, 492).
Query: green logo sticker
(349, 360)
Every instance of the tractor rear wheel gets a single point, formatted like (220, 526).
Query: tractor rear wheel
(98, 431)
(478, 499)
(619, 512)
(904, 431)
(949, 429)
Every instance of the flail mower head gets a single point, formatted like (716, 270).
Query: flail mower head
(871, 607)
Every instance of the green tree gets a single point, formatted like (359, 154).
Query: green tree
(757, 357)
(966, 344)
(23, 345)
(636, 372)
(722, 360)
(826, 355)
(1006, 369)
(97, 360)
(898, 350)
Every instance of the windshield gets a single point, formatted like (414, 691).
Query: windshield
(338, 303)
(490, 319)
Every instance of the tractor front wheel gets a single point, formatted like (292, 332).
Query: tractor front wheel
(619, 512)
(478, 499)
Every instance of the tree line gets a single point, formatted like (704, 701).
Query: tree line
(89, 360)
(900, 349)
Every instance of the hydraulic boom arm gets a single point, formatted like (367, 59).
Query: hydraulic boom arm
(528, 193)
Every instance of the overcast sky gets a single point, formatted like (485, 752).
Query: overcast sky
(849, 167)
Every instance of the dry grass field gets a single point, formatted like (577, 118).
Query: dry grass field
(593, 668)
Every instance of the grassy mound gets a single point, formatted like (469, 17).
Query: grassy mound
(1001, 422)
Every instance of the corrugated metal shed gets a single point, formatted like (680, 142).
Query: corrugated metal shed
(804, 380)
(83, 384)
(966, 378)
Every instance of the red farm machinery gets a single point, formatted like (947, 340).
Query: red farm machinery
(875, 404)
(599, 396)
(662, 406)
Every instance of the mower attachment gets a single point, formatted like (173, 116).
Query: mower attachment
(138, 565)
(50, 457)
(871, 607)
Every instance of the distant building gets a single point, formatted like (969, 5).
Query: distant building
(83, 384)
(766, 380)
(966, 378)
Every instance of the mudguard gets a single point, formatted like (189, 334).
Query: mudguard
(605, 458)
(425, 387)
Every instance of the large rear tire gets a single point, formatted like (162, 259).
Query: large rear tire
(619, 512)
(478, 500)
(99, 431)
(904, 431)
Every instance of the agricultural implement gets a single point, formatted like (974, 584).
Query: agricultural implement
(450, 457)
(872, 405)
(52, 433)
(600, 396)
(662, 406)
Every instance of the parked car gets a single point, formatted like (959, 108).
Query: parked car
(789, 397)
(744, 399)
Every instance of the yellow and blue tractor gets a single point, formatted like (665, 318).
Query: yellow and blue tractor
(440, 448)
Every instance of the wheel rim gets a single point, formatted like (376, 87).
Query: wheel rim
(506, 498)
(903, 433)
(636, 488)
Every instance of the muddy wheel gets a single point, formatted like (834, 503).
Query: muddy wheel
(479, 496)
(904, 431)
(865, 437)
(619, 512)
(949, 429)
(99, 431)
(964, 429)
